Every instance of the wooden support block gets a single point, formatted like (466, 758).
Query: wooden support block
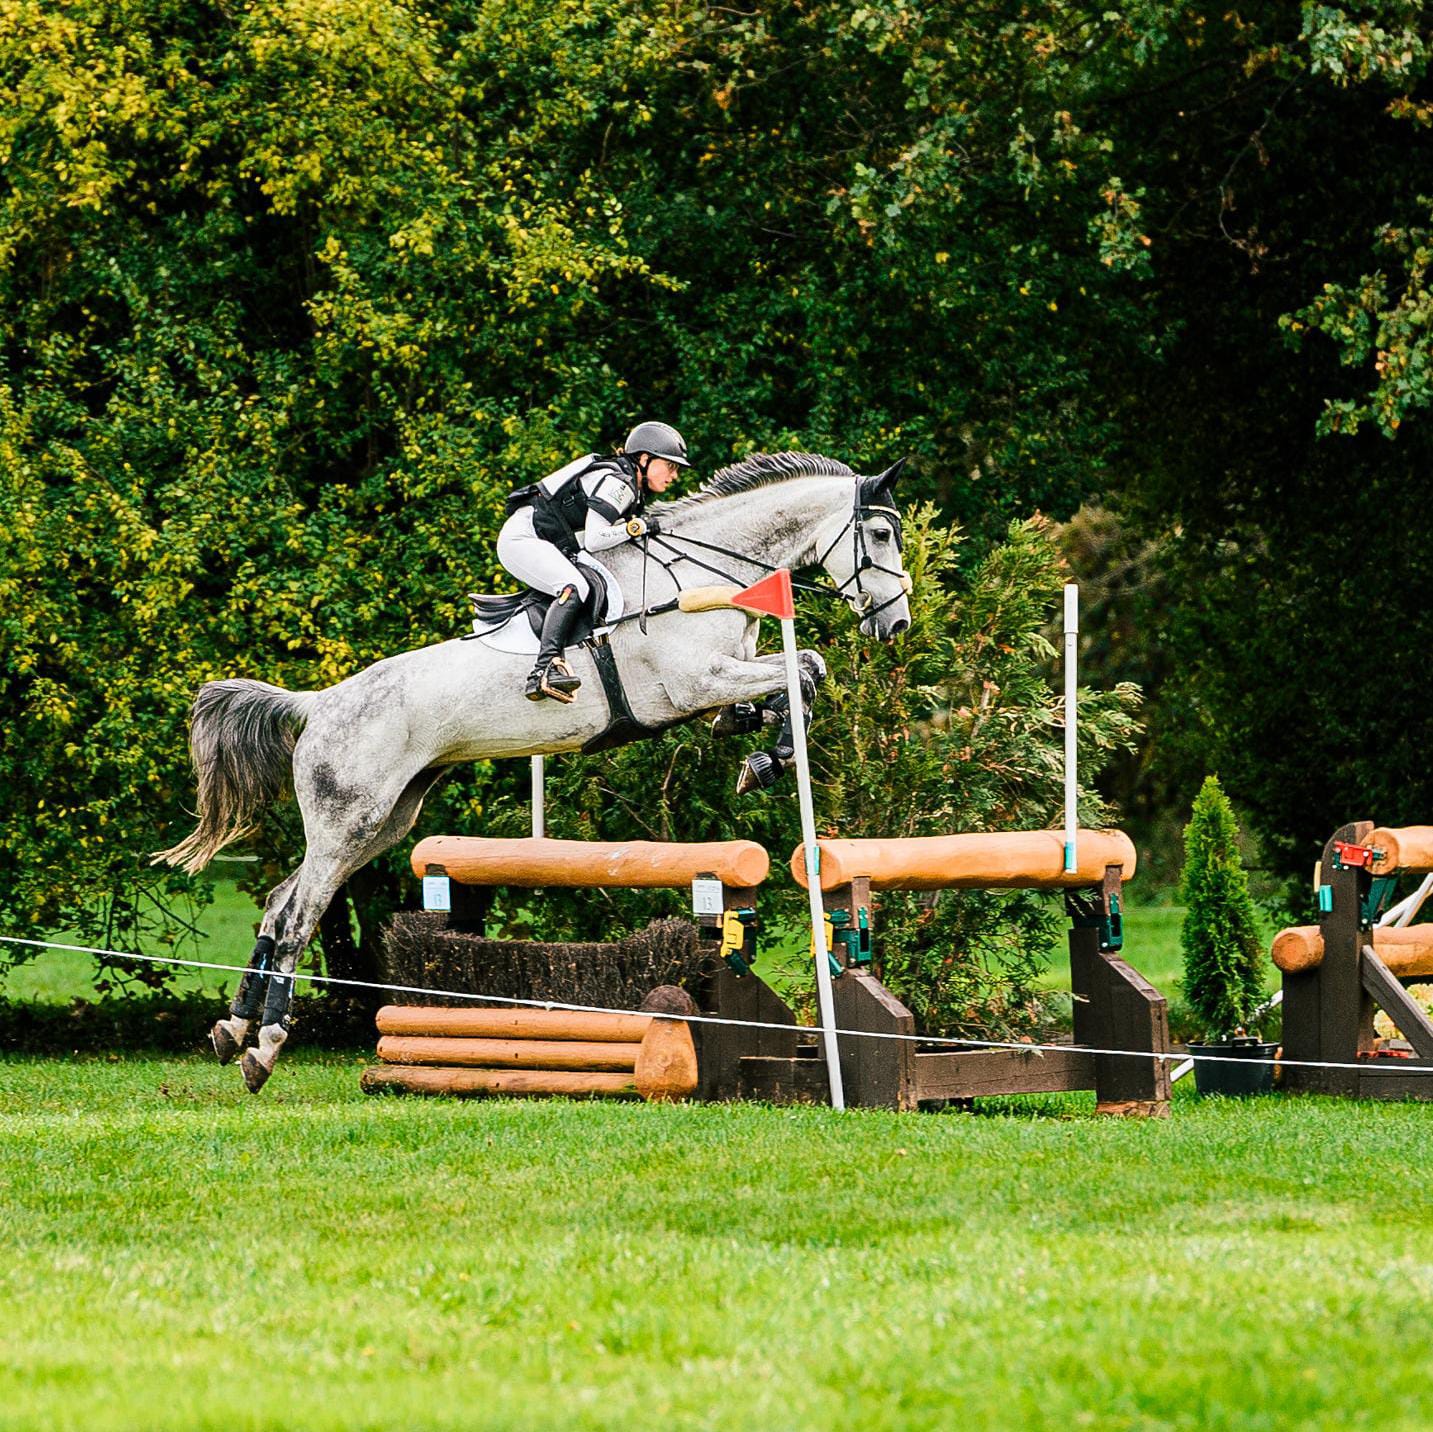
(666, 1068)
(980, 1073)
(1134, 1109)
(1004, 860)
(876, 1073)
(774, 1080)
(535, 862)
(509, 1053)
(1117, 1008)
(415, 1080)
(723, 1047)
(492, 1023)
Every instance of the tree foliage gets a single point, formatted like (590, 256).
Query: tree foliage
(291, 295)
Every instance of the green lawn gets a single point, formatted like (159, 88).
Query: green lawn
(59, 976)
(181, 1255)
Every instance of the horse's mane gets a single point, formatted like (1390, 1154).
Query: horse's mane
(759, 470)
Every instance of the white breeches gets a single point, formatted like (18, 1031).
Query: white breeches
(534, 561)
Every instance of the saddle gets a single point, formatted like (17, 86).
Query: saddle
(512, 622)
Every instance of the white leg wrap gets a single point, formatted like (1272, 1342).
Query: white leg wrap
(237, 1027)
(271, 1040)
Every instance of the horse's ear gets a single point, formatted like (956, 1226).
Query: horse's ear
(876, 491)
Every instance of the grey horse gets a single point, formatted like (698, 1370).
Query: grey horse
(362, 755)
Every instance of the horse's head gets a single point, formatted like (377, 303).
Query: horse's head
(864, 558)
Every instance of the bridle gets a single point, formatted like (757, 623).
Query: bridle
(861, 559)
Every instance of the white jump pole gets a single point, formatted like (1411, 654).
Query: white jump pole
(772, 596)
(1072, 662)
(824, 996)
(539, 805)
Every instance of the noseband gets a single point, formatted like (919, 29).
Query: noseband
(861, 559)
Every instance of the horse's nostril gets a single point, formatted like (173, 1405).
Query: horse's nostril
(897, 627)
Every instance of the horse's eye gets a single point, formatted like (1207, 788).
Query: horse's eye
(881, 536)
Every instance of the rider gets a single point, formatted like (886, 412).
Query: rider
(591, 504)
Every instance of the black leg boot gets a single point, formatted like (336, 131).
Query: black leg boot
(551, 675)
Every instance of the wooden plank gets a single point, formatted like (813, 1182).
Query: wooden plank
(722, 1047)
(1397, 1003)
(1003, 860)
(489, 1023)
(1406, 950)
(876, 1073)
(970, 1074)
(785, 1081)
(413, 1080)
(534, 862)
(1395, 1079)
(1407, 848)
(508, 1053)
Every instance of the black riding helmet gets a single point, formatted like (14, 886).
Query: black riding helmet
(658, 440)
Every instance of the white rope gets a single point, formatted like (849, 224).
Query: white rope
(960, 1043)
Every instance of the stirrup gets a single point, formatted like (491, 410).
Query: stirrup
(540, 685)
(561, 677)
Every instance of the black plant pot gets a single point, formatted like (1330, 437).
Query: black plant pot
(1217, 1077)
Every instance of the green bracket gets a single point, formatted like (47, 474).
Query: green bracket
(854, 940)
(1381, 890)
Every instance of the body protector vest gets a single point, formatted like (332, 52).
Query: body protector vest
(561, 500)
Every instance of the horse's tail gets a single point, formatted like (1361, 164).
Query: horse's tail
(241, 739)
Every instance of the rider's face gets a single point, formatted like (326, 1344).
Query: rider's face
(660, 473)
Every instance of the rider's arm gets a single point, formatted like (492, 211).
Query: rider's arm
(607, 507)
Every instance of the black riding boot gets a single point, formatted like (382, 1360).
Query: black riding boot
(551, 675)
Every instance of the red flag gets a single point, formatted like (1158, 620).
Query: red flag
(771, 596)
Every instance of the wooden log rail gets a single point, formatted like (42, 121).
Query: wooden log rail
(1408, 849)
(731, 990)
(1407, 951)
(526, 1051)
(1008, 860)
(1115, 1008)
(537, 862)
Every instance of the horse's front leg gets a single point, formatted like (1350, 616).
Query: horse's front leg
(734, 682)
(741, 718)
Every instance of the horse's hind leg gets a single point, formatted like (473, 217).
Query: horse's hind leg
(228, 1035)
(316, 882)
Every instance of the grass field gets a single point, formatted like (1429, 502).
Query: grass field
(181, 1255)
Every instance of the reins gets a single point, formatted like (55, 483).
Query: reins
(861, 561)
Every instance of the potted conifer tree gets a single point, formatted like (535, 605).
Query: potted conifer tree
(1223, 955)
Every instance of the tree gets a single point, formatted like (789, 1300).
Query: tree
(1220, 936)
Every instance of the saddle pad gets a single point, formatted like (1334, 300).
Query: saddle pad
(516, 635)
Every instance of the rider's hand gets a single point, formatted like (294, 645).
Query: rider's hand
(642, 527)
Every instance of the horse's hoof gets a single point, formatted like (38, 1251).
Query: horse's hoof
(223, 1043)
(255, 1071)
(759, 772)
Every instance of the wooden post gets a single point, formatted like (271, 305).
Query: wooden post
(1117, 1008)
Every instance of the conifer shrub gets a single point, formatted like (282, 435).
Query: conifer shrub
(1223, 954)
